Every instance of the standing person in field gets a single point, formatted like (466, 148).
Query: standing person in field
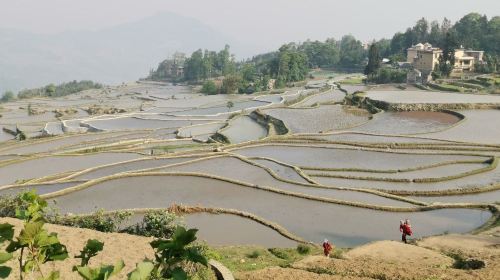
(405, 228)
(327, 248)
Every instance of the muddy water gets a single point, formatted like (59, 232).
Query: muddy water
(135, 123)
(478, 180)
(45, 145)
(45, 166)
(131, 166)
(243, 129)
(238, 170)
(479, 127)
(40, 189)
(4, 136)
(345, 226)
(355, 137)
(329, 96)
(441, 171)
(228, 230)
(341, 158)
(282, 170)
(209, 128)
(426, 97)
(486, 197)
(407, 123)
(237, 106)
(323, 118)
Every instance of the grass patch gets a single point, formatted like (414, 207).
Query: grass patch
(352, 81)
(462, 262)
(247, 258)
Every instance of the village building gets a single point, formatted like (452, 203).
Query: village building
(425, 58)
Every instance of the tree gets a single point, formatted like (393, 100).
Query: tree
(352, 52)
(7, 96)
(374, 60)
(230, 84)
(209, 87)
(447, 59)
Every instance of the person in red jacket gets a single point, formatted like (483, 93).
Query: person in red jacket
(405, 229)
(327, 248)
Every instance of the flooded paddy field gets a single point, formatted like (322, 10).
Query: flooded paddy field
(225, 229)
(401, 123)
(158, 191)
(367, 138)
(478, 127)
(283, 171)
(486, 197)
(314, 120)
(296, 181)
(319, 157)
(485, 179)
(40, 188)
(44, 166)
(435, 172)
(431, 97)
(243, 129)
(239, 171)
(324, 97)
(129, 123)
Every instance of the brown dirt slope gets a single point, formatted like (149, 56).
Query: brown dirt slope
(132, 249)
(394, 260)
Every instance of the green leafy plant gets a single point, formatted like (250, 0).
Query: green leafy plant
(171, 255)
(35, 245)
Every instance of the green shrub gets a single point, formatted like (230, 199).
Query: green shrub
(461, 262)
(7, 96)
(303, 249)
(254, 254)
(279, 253)
(160, 224)
(209, 87)
(97, 221)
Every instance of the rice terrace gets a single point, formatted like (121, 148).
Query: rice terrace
(255, 159)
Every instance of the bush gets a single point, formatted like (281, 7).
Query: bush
(462, 262)
(7, 96)
(209, 87)
(279, 253)
(387, 75)
(98, 221)
(303, 249)
(160, 224)
(255, 254)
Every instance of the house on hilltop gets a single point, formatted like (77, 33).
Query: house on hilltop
(425, 58)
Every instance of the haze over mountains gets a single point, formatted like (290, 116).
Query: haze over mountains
(112, 55)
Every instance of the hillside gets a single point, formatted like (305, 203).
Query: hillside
(112, 55)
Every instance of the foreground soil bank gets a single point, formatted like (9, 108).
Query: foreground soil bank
(426, 259)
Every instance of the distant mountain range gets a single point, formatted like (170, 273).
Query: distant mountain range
(113, 55)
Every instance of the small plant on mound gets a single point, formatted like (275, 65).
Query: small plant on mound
(254, 254)
(99, 220)
(171, 257)
(279, 253)
(303, 249)
(461, 262)
(160, 224)
(102, 272)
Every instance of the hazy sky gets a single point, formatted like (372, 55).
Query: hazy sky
(267, 23)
